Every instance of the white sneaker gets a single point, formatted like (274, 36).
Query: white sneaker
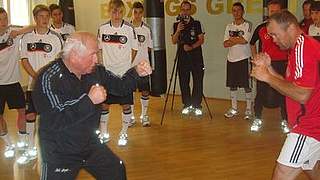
(256, 125)
(104, 138)
(22, 142)
(247, 114)
(28, 156)
(145, 121)
(284, 126)
(123, 139)
(132, 121)
(231, 113)
(9, 151)
(187, 110)
(198, 111)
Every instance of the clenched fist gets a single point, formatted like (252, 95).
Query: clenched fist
(143, 68)
(97, 94)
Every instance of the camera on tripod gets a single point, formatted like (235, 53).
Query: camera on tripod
(183, 19)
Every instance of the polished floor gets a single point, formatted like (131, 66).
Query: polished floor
(183, 148)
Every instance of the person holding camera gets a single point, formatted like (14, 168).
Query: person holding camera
(236, 38)
(188, 35)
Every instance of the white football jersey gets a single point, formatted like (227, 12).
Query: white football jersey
(65, 31)
(40, 49)
(117, 44)
(9, 58)
(145, 42)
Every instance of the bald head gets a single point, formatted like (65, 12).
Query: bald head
(80, 52)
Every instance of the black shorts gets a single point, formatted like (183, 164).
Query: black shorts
(122, 100)
(100, 162)
(29, 103)
(143, 84)
(238, 74)
(13, 95)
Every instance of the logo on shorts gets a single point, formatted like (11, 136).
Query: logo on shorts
(61, 170)
(306, 162)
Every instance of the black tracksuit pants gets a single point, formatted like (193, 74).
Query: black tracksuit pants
(191, 63)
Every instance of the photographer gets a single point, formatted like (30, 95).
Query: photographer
(188, 35)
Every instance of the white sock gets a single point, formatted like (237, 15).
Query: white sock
(126, 118)
(22, 136)
(104, 118)
(30, 127)
(132, 108)
(233, 95)
(7, 139)
(144, 105)
(248, 100)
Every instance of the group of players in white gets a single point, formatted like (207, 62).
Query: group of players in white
(122, 45)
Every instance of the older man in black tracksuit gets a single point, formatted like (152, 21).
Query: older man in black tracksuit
(67, 96)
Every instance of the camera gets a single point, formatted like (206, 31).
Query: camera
(183, 19)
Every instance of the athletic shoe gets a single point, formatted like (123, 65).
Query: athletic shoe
(256, 125)
(284, 126)
(9, 151)
(104, 138)
(132, 121)
(27, 156)
(123, 139)
(198, 112)
(187, 110)
(145, 121)
(22, 142)
(231, 113)
(247, 114)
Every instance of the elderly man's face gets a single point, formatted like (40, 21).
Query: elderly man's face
(90, 59)
(279, 35)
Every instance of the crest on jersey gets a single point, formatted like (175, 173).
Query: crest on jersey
(123, 39)
(141, 38)
(10, 42)
(47, 48)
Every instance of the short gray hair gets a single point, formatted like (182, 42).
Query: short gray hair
(73, 44)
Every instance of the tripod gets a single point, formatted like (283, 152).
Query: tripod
(175, 72)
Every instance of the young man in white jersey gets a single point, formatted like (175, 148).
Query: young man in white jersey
(63, 28)
(145, 45)
(10, 88)
(118, 44)
(38, 48)
(236, 38)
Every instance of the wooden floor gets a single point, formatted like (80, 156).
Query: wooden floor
(184, 148)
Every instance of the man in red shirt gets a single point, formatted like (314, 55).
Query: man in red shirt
(267, 96)
(307, 20)
(301, 150)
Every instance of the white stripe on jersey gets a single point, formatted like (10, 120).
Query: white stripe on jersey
(299, 57)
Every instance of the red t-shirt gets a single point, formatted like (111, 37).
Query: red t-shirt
(305, 24)
(266, 43)
(303, 71)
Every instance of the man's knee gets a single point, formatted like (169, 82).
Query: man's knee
(282, 172)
